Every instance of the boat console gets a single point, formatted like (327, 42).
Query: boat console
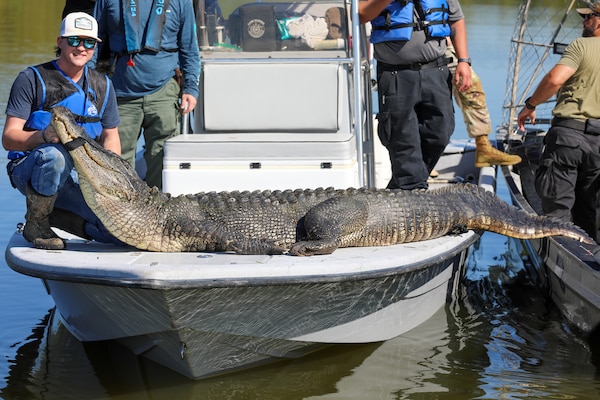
(277, 106)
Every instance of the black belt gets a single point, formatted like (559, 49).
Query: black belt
(438, 62)
(589, 127)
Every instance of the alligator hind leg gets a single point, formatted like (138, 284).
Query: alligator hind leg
(334, 223)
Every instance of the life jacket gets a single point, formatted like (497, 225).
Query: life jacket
(398, 20)
(55, 88)
(152, 36)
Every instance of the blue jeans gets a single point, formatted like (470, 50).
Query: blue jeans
(48, 169)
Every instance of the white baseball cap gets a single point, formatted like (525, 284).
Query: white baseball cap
(80, 24)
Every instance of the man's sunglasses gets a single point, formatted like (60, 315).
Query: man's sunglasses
(588, 16)
(74, 41)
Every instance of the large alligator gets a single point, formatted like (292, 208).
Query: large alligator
(299, 222)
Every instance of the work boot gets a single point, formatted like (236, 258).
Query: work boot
(487, 155)
(68, 222)
(37, 226)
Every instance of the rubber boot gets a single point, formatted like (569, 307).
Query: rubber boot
(487, 155)
(69, 222)
(37, 226)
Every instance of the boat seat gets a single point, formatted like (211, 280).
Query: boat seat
(264, 97)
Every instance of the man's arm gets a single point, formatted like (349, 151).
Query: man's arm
(102, 33)
(110, 140)
(548, 86)
(370, 9)
(14, 137)
(189, 59)
(462, 76)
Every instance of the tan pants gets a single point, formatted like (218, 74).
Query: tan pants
(471, 102)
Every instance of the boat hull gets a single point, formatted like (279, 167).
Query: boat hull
(574, 280)
(199, 316)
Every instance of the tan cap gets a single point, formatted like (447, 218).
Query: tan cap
(592, 8)
(79, 24)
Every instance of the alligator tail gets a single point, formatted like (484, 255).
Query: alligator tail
(492, 214)
(531, 226)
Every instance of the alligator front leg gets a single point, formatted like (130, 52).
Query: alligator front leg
(334, 223)
(257, 246)
(314, 247)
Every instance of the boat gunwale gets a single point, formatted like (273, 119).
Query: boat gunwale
(94, 276)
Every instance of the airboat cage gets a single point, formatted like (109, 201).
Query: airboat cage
(542, 31)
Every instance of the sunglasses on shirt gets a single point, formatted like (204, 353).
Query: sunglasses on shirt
(74, 41)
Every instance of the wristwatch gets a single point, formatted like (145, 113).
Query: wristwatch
(467, 60)
(528, 105)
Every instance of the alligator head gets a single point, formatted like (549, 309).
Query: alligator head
(98, 168)
(110, 185)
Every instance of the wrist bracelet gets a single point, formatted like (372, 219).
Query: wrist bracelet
(528, 105)
(466, 60)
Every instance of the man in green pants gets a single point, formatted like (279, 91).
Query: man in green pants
(150, 40)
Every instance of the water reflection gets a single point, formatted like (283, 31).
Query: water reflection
(514, 334)
(55, 365)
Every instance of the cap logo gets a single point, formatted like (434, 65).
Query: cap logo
(83, 23)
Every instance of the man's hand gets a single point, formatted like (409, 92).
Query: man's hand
(463, 78)
(524, 115)
(49, 135)
(188, 102)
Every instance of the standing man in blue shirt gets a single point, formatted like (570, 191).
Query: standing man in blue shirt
(40, 166)
(149, 40)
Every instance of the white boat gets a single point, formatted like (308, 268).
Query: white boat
(274, 113)
(565, 268)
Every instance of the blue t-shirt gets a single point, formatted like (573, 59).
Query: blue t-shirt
(176, 40)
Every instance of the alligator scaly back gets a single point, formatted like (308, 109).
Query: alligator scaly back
(362, 217)
(301, 222)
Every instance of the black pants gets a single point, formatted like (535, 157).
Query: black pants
(415, 121)
(568, 179)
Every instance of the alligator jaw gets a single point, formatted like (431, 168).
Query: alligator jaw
(60, 126)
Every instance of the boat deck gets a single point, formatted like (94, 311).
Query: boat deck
(99, 263)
